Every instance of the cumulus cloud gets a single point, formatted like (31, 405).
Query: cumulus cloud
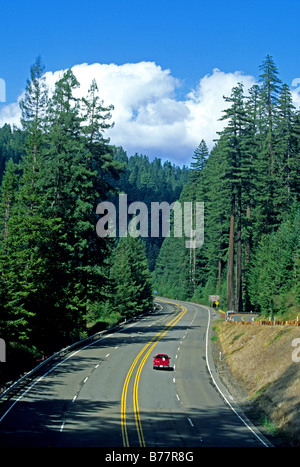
(10, 114)
(206, 104)
(148, 116)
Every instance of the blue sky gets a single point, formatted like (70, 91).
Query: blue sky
(186, 40)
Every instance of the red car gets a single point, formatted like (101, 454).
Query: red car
(161, 361)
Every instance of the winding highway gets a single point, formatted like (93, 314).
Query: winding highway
(107, 393)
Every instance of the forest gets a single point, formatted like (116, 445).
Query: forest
(250, 186)
(59, 281)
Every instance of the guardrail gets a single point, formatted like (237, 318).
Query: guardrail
(273, 322)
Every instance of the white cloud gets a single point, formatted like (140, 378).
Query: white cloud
(148, 117)
(207, 103)
(10, 114)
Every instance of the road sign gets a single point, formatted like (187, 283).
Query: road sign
(214, 298)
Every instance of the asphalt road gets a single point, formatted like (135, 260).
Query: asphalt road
(107, 394)
(243, 317)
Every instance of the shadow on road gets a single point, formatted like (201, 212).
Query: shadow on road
(96, 423)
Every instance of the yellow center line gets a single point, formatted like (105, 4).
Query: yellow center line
(153, 341)
(124, 398)
(137, 380)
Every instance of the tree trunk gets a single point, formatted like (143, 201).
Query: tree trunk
(239, 304)
(230, 276)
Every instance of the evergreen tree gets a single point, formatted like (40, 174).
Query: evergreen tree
(131, 278)
(199, 160)
(269, 92)
(33, 107)
(236, 171)
(270, 87)
(216, 196)
(75, 181)
(26, 230)
(11, 146)
(274, 277)
(249, 183)
(8, 195)
(172, 272)
(284, 151)
(54, 266)
(96, 184)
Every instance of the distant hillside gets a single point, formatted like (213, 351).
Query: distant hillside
(149, 181)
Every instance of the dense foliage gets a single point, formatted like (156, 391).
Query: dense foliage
(250, 185)
(150, 181)
(56, 274)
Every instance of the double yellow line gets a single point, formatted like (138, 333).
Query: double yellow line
(150, 346)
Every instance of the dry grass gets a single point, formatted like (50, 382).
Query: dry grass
(260, 358)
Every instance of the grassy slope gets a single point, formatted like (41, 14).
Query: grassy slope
(260, 359)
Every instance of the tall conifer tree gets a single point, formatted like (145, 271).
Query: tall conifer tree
(199, 160)
(130, 278)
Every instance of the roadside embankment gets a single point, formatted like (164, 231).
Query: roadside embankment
(265, 362)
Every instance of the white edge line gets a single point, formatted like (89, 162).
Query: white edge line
(46, 374)
(190, 421)
(214, 381)
(60, 363)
